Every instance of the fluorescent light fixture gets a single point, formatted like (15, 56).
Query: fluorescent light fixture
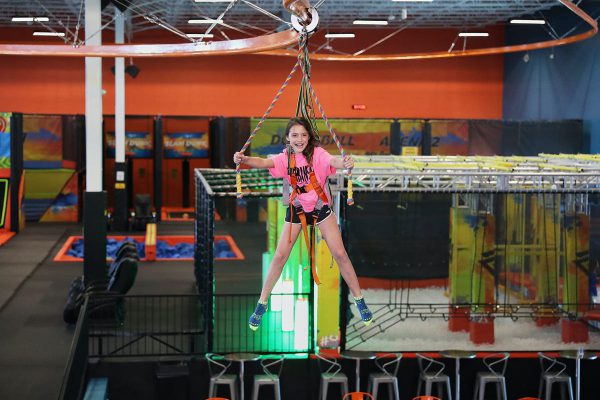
(473, 34)
(30, 19)
(205, 21)
(340, 35)
(528, 21)
(199, 35)
(369, 22)
(58, 34)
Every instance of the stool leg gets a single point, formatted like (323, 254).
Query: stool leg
(390, 390)
(345, 388)
(419, 386)
(233, 388)
(396, 389)
(277, 392)
(321, 389)
(498, 390)
(548, 390)
(375, 389)
(325, 387)
(504, 395)
(482, 384)
(427, 387)
(448, 389)
(211, 389)
(476, 391)
(255, 390)
(541, 387)
(570, 389)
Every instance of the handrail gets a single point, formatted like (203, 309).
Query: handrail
(75, 371)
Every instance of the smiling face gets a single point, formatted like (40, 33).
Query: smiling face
(298, 137)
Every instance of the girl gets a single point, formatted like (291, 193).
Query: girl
(310, 167)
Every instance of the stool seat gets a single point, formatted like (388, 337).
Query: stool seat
(218, 367)
(431, 372)
(330, 373)
(272, 370)
(553, 372)
(496, 365)
(388, 365)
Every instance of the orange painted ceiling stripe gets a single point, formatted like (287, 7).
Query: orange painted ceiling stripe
(267, 45)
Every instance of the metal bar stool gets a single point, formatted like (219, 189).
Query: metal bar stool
(431, 372)
(217, 368)
(272, 370)
(330, 373)
(553, 372)
(388, 364)
(495, 374)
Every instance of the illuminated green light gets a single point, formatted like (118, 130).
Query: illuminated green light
(301, 324)
(287, 304)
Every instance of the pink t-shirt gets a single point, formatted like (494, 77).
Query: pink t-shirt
(320, 164)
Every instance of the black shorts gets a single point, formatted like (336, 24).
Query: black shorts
(322, 215)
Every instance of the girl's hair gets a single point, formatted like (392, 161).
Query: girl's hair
(312, 138)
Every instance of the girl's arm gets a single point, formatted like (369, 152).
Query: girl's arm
(339, 163)
(254, 162)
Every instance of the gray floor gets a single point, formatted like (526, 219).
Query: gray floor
(35, 342)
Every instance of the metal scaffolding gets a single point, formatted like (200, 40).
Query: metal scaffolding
(475, 174)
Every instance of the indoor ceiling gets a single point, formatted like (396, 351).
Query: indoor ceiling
(245, 15)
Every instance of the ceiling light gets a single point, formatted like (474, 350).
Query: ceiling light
(199, 35)
(473, 34)
(340, 35)
(30, 19)
(205, 21)
(528, 21)
(59, 34)
(369, 22)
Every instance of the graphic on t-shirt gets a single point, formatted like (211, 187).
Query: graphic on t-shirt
(302, 174)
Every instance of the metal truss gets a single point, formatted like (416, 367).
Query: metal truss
(453, 174)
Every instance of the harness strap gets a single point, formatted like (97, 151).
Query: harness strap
(313, 185)
(309, 239)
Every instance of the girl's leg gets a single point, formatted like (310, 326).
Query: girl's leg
(331, 233)
(284, 247)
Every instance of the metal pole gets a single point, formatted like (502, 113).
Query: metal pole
(94, 225)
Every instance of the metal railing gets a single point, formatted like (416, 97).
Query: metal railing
(75, 371)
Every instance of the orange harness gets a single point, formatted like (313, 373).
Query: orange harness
(313, 185)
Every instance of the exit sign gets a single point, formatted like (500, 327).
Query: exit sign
(359, 106)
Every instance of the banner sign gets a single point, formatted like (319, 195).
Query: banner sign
(5, 140)
(43, 141)
(137, 144)
(357, 136)
(450, 138)
(186, 145)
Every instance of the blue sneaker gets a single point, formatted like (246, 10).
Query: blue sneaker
(365, 314)
(256, 317)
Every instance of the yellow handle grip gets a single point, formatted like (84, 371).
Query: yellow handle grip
(350, 200)
(238, 183)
